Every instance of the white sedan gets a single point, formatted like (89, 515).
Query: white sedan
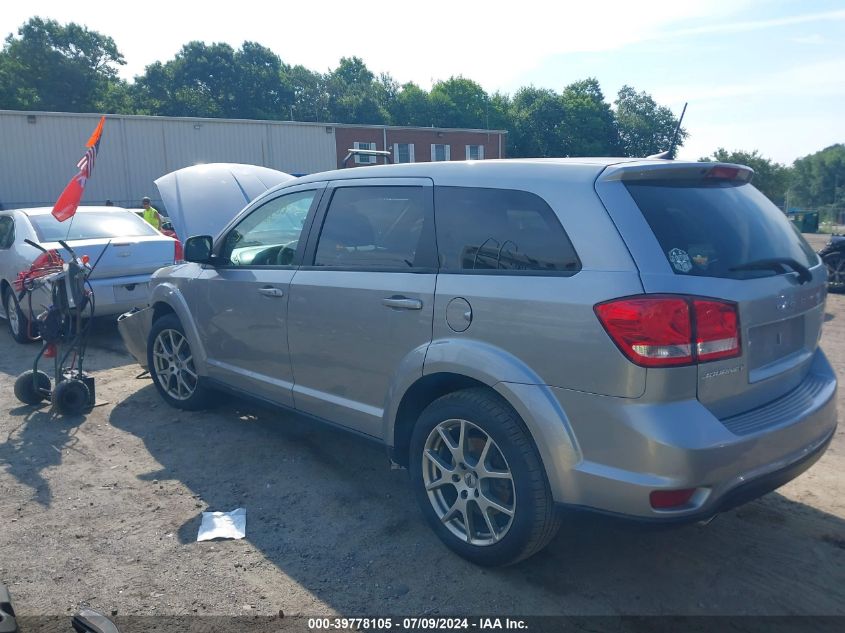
(131, 251)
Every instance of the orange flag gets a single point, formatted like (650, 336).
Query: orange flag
(68, 202)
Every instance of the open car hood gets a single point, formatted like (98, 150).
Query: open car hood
(201, 200)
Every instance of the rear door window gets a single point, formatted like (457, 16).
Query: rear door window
(376, 228)
(719, 229)
(500, 231)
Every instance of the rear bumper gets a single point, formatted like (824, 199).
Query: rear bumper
(733, 498)
(630, 449)
(115, 295)
(134, 328)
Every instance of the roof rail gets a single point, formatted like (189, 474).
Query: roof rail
(388, 157)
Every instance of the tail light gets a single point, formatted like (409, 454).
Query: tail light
(671, 330)
(178, 252)
(716, 329)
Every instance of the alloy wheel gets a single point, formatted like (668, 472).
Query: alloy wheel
(836, 271)
(468, 482)
(12, 315)
(174, 364)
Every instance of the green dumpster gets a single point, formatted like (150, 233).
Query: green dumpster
(805, 221)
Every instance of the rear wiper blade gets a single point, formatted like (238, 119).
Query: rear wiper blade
(778, 264)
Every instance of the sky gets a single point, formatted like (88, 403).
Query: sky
(758, 74)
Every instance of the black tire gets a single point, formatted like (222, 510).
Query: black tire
(31, 389)
(202, 396)
(71, 397)
(21, 335)
(535, 519)
(835, 263)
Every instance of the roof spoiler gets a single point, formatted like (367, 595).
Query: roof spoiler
(679, 171)
(388, 158)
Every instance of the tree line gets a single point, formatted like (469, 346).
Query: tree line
(68, 67)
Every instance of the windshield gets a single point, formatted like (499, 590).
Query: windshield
(90, 225)
(715, 229)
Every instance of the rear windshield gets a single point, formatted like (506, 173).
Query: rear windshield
(90, 225)
(714, 229)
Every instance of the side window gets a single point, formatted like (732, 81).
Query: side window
(374, 227)
(364, 160)
(7, 232)
(270, 234)
(501, 230)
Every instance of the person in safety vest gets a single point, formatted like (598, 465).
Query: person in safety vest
(151, 215)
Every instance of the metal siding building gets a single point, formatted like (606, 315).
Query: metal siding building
(41, 149)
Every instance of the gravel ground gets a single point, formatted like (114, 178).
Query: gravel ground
(104, 509)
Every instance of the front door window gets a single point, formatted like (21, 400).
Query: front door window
(269, 236)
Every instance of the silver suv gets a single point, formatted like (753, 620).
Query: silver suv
(634, 337)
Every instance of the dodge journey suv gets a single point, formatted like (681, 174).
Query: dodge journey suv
(634, 337)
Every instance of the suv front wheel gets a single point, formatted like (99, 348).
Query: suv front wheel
(479, 480)
(170, 360)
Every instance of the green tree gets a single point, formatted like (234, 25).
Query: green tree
(818, 180)
(459, 102)
(499, 112)
(387, 92)
(411, 106)
(215, 80)
(262, 85)
(310, 94)
(769, 177)
(353, 94)
(589, 127)
(199, 81)
(50, 66)
(645, 128)
(537, 115)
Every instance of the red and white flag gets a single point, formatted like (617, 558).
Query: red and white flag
(68, 202)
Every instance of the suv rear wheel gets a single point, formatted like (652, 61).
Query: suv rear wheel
(171, 364)
(479, 480)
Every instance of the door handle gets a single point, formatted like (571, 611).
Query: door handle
(402, 303)
(271, 292)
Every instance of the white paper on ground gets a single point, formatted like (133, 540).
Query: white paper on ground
(223, 525)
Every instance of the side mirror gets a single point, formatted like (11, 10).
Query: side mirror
(198, 249)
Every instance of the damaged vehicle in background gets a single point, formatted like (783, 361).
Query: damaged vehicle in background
(524, 336)
(126, 250)
(833, 256)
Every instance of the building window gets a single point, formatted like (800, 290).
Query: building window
(403, 152)
(440, 152)
(475, 152)
(364, 160)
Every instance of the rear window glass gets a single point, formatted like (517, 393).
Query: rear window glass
(90, 225)
(716, 230)
(500, 231)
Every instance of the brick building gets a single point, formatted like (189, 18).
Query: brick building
(138, 149)
(417, 144)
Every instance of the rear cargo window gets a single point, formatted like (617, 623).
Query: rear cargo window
(501, 231)
(719, 229)
(90, 225)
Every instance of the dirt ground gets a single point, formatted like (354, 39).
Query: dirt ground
(104, 510)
